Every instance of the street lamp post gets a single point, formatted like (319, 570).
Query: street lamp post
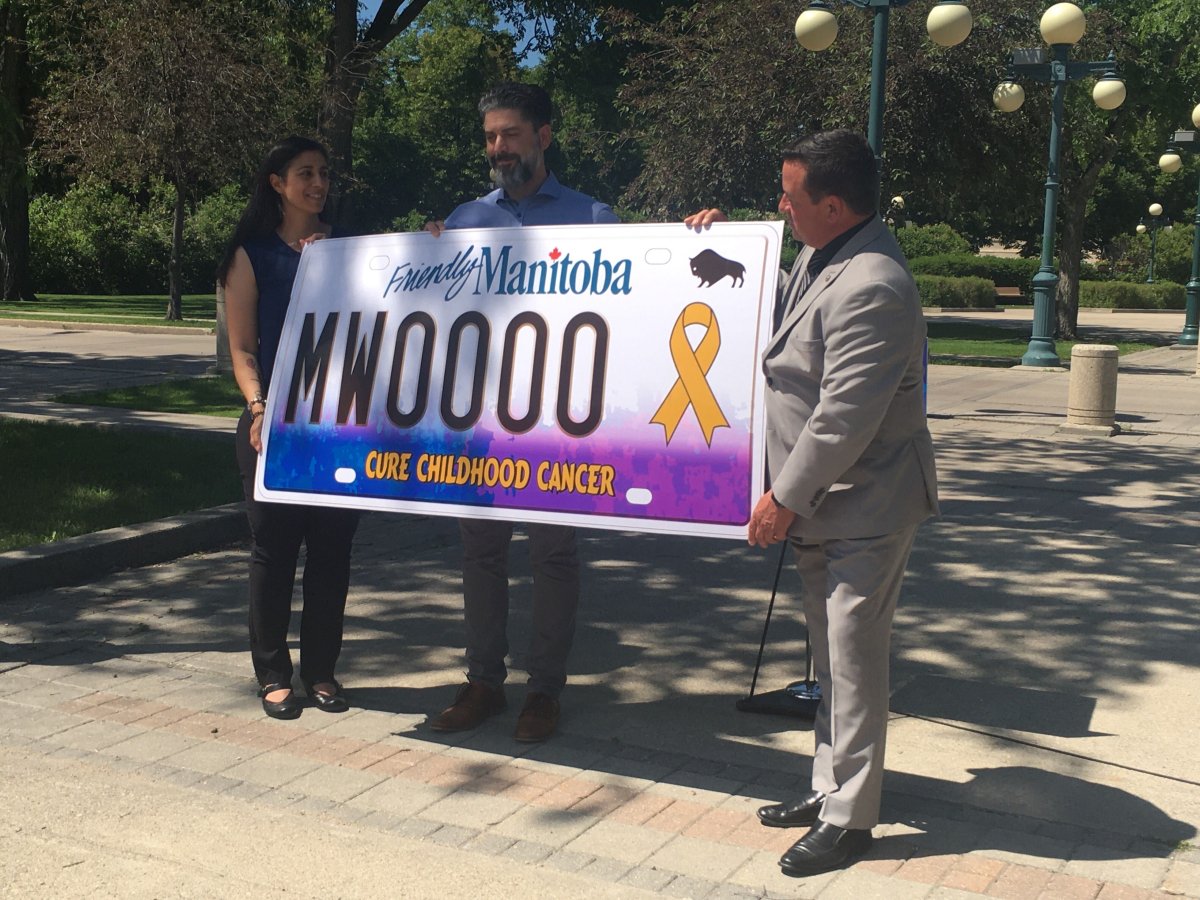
(1062, 26)
(948, 24)
(1152, 225)
(1171, 162)
(894, 214)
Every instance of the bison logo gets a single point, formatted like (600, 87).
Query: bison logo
(710, 267)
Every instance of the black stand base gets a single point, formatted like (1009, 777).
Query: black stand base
(799, 699)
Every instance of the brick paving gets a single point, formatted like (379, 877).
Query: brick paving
(637, 833)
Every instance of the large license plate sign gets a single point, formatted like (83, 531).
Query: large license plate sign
(602, 376)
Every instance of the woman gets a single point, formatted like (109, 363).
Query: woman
(283, 214)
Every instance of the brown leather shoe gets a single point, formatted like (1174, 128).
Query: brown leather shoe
(473, 703)
(538, 719)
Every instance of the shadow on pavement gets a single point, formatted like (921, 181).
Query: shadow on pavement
(1045, 602)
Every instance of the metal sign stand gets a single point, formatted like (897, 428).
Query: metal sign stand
(800, 698)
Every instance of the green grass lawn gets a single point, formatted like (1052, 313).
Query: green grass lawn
(202, 396)
(954, 343)
(128, 309)
(59, 481)
(969, 343)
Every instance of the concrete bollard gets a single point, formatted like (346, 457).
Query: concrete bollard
(1092, 396)
(1198, 361)
(224, 362)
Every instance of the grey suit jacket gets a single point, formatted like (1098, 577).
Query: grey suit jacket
(848, 449)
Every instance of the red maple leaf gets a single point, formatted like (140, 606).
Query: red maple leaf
(554, 254)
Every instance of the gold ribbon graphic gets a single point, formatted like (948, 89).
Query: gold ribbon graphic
(691, 388)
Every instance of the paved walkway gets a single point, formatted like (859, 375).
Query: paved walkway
(1046, 678)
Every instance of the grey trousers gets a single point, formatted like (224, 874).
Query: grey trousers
(555, 562)
(850, 589)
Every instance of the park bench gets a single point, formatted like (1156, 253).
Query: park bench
(1009, 295)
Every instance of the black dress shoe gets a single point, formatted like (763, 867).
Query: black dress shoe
(289, 707)
(824, 848)
(804, 811)
(332, 703)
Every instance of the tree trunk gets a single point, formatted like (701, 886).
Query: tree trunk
(15, 134)
(15, 282)
(1070, 259)
(340, 93)
(348, 63)
(174, 267)
(1073, 208)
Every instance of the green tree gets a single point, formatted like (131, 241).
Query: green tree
(19, 85)
(356, 49)
(713, 101)
(1157, 43)
(418, 141)
(583, 68)
(210, 85)
(721, 87)
(353, 51)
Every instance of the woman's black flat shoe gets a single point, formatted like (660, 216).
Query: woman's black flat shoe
(289, 707)
(333, 703)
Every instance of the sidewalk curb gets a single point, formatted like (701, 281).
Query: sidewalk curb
(80, 559)
(75, 325)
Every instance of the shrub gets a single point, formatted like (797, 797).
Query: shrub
(413, 220)
(631, 216)
(205, 233)
(931, 240)
(956, 293)
(788, 253)
(94, 240)
(1125, 295)
(97, 240)
(1172, 257)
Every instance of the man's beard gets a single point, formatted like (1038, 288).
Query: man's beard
(516, 175)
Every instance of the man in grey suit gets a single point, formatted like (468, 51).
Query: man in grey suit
(852, 473)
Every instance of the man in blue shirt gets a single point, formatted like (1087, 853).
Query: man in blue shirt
(516, 128)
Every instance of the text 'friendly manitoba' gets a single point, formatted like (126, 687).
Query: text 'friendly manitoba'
(494, 271)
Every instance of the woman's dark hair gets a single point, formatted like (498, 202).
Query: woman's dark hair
(264, 212)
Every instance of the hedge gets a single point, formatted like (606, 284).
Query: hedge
(1125, 295)
(979, 293)
(1003, 271)
(956, 293)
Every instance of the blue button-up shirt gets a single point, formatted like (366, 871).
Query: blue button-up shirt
(553, 204)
